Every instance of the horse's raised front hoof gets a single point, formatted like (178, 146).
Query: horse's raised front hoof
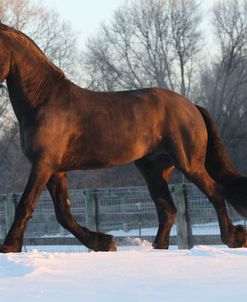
(9, 249)
(238, 237)
(102, 243)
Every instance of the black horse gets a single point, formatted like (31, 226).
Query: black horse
(64, 127)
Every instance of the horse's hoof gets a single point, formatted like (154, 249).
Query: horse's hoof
(9, 249)
(241, 235)
(112, 247)
(107, 244)
(103, 243)
(238, 237)
(160, 246)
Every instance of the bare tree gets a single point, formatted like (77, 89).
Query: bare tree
(58, 41)
(53, 36)
(223, 82)
(20, 13)
(45, 27)
(148, 43)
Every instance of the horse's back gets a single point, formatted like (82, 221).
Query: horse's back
(112, 128)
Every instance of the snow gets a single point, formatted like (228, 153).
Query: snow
(131, 274)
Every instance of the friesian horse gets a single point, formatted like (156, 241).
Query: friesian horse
(64, 127)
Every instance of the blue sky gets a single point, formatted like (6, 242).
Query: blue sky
(86, 16)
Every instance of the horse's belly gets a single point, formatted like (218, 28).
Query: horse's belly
(105, 156)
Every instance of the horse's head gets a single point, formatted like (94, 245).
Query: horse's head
(5, 53)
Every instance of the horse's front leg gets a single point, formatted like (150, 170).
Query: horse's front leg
(38, 178)
(96, 241)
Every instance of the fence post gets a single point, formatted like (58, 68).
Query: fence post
(183, 224)
(91, 209)
(10, 205)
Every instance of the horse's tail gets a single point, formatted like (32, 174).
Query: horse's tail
(221, 169)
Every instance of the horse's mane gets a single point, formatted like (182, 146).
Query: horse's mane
(31, 44)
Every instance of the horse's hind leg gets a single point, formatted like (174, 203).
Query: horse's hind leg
(156, 176)
(233, 236)
(96, 241)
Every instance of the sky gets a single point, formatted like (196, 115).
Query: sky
(86, 16)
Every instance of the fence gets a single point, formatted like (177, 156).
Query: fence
(126, 213)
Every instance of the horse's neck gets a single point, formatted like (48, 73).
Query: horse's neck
(30, 82)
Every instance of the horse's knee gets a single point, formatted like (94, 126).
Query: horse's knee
(24, 213)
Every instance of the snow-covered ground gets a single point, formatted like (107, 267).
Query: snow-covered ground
(131, 274)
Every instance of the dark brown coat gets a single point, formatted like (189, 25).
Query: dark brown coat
(64, 127)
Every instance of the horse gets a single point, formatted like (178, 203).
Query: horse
(64, 127)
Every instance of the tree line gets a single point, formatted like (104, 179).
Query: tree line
(174, 44)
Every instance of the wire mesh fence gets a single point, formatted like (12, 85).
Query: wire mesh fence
(126, 213)
(44, 224)
(3, 230)
(203, 217)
